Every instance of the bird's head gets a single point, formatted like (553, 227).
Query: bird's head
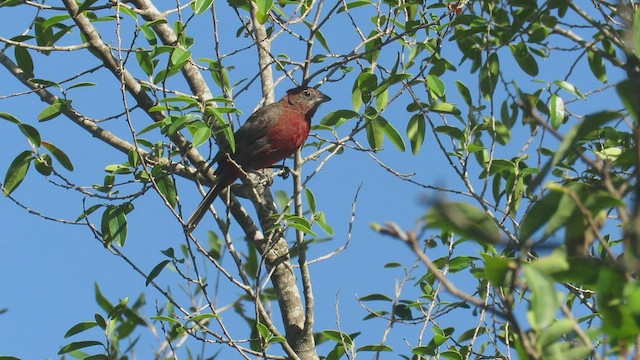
(305, 99)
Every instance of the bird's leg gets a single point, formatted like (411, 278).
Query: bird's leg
(285, 170)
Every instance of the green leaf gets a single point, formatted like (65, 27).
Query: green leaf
(9, 117)
(376, 297)
(78, 345)
(43, 165)
(573, 136)
(416, 129)
(524, 58)
(156, 271)
(201, 136)
(391, 133)
(17, 171)
(338, 117)
(436, 86)
(80, 327)
(88, 212)
(636, 32)
(146, 63)
(201, 317)
(375, 135)
(53, 110)
(489, 76)
(311, 200)
(81, 84)
(62, 158)
(544, 301)
(167, 188)
(200, 6)
(554, 332)
(338, 337)
(167, 319)
(320, 219)
(464, 92)
(498, 269)
(322, 40)
(24, 60)
(444, 107)
(264, 6)
(264, 331)
(376, 348)
(114, 226)
(570, 88)
(596, 64)
(31, 133)
(180, 56)
(465, 220)
(557, 111)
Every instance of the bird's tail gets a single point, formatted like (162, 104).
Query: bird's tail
(225, 177)
(202, 209)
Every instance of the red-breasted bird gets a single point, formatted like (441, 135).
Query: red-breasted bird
(271, 134)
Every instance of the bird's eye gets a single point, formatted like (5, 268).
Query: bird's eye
(306, 93)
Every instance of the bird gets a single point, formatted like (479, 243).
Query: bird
(271, 134)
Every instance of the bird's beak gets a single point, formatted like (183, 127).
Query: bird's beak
(323, 99)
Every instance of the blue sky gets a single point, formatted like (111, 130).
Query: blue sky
(48, 270)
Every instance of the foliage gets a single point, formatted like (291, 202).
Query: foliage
(530, 107)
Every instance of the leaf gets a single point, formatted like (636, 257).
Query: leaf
(489, 76)
(31, 133)
(464, 92)
(596, 64)
(636, 32)
(62, 158)
(180, 56)
(375, 135)
(24, 60)
(524, 58)
(570, 88)
(465, 220)
(201, 317)
(78, 345)
(201, 136)
(156, 271)
(200, 6)
(573, 136)
(167, 188)
(322, 40)
(88, 212)
(81, 84)
(499, 269)
(264, 6)
(436, 86)
(17, 171)
(311, 200)
(338, 117)
(167, 319)
(9, 117)
(391, 133)
(114, 226)
(416, 129)
(376, 297)
(539, 214)
(146, 62)
(376, 348)
(53, 110)
(557, 111)
(80, 327)
(544, 301)
(444, 107)
(554, 332)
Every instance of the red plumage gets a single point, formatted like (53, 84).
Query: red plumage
(271, 134)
